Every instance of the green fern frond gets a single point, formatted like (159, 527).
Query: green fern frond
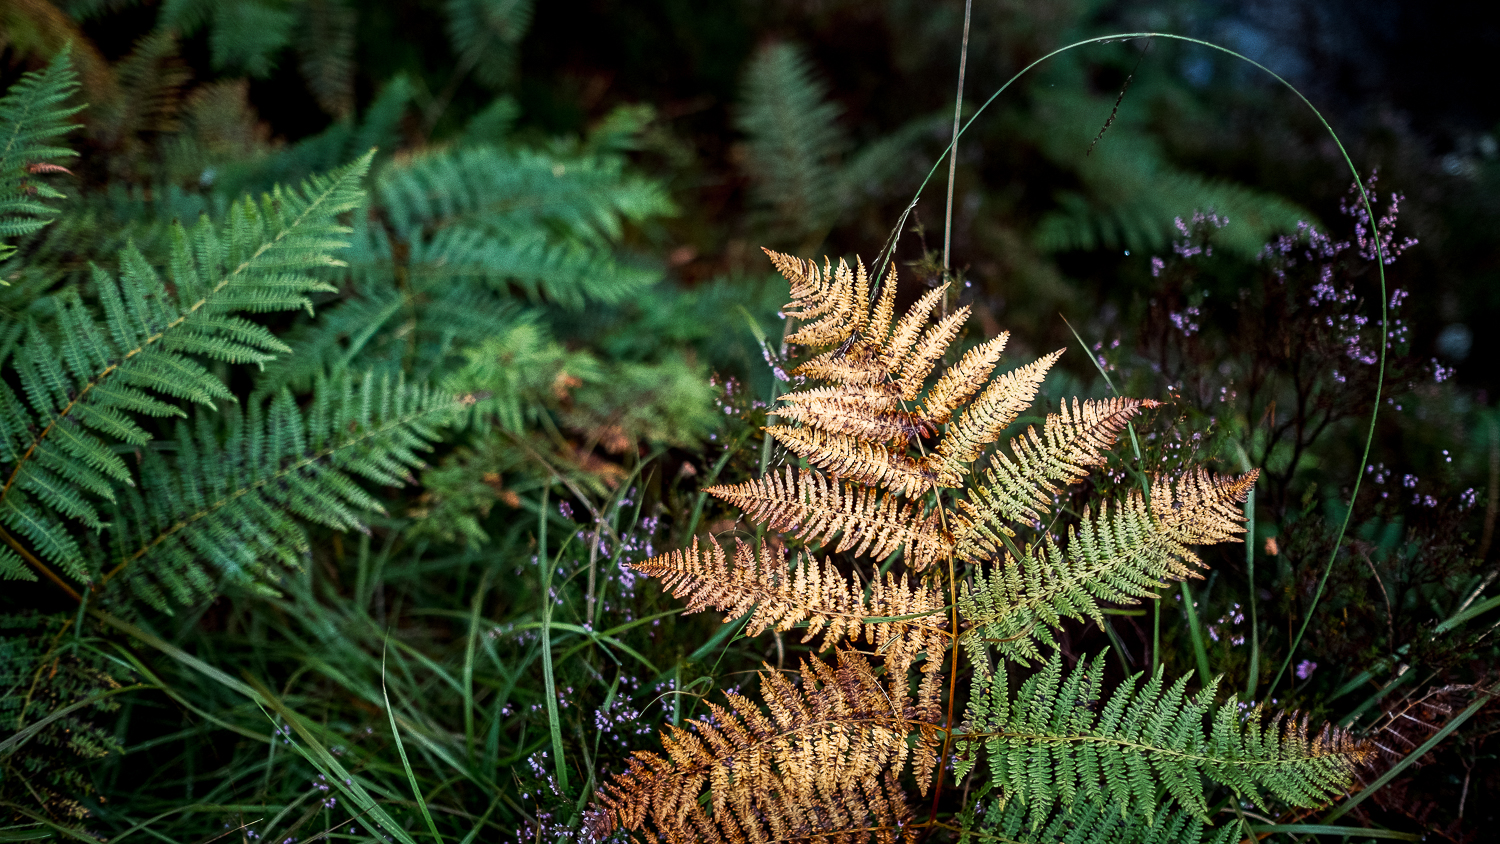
(1135, 195)
(327, 54)
(1019, 486)
(33, 115)
(1050, 745)
(1084, 822)
(228, 506)
(793, 141)
(549, 224)
(83, 383)
(1121, 554)
(485, 35)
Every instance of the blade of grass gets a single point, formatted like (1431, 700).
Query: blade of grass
(1410, 758)
(261, 696)
(554, 722)
(474, 833)
(1254, 671)
(1459, 618)
(468, 672)
(411, 777)
(14, 742)
(329, 766)
(1191, 613)
(1321, 829)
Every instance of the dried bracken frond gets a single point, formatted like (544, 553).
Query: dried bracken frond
(815, 509)
(864, 813)
(1201, 508)
(962, 380)
(859, 363)
(910, 326)
(1018, 487)
(833, 304)
(838, 735)
(856, 460)
(987, 418)
(918, 365)
(813, 592)
(857, 420)
(824, 765)
(1120, 555)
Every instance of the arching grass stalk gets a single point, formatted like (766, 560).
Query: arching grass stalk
(1379, 267)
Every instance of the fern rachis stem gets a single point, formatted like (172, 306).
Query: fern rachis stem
(39, 566)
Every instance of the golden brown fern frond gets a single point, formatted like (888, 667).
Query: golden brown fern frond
(988, 417)
(904, 336)
(962, 380)
(859, 363)
(848, 457)
(814, 592)
(916, 366)
(875, 812)
(1201, 508)
(1018, 486)
(815, 509)
(838, 734)
(858, 420)
(833, 304)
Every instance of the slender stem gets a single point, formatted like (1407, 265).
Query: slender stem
(31, 560)
(958, 107)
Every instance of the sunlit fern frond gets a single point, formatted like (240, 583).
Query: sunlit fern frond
(988, 417)
(1120, 554)
(904, 336)
(839, 733)
(851, 458)
(813, 591)
(871, 812)
(1019, 486)
(816, 509)
(916, 366)
(1050, 744)
(857, 418)
(832, 303)
(962, 380)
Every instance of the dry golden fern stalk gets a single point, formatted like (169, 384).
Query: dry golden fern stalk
(899, 473)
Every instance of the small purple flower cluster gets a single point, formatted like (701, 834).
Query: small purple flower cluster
(1233, 618)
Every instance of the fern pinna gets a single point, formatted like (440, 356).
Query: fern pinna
(901, 471)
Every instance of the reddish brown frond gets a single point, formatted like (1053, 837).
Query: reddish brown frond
(839, 732)
(814, 592)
